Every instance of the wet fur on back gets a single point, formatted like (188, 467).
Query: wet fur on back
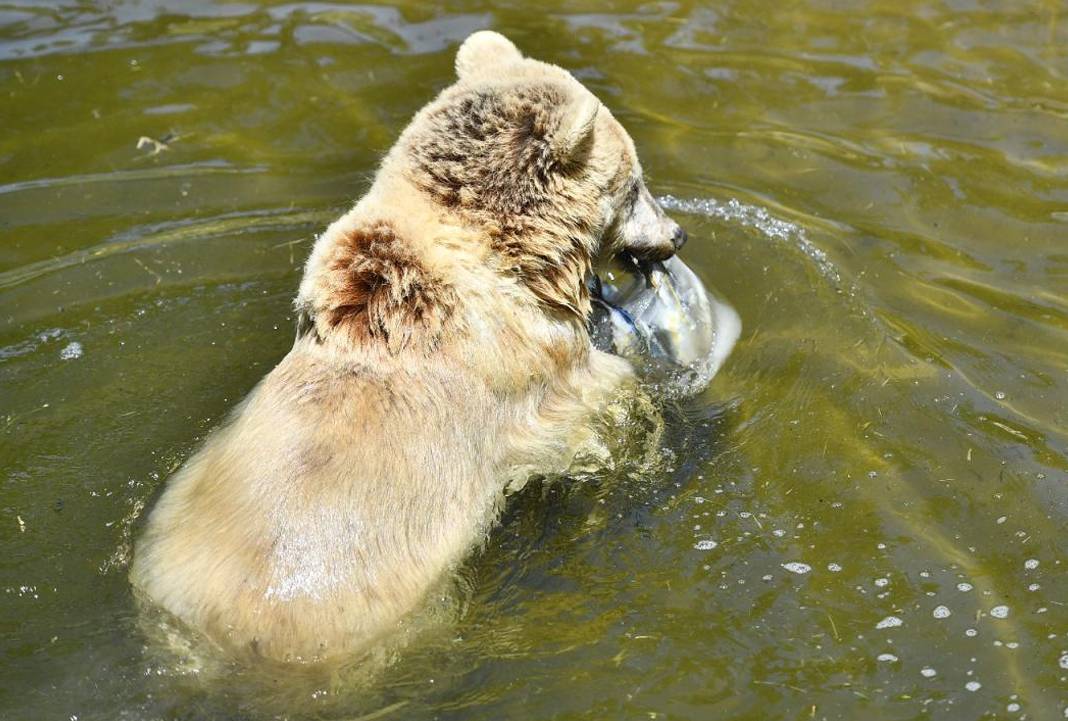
(441, 358)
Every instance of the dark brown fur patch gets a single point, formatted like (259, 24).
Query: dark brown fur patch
(378, 290)
(487, 154)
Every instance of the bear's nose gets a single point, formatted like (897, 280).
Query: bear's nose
(679, 237)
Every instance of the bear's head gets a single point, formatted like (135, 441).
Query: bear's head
(524, 151)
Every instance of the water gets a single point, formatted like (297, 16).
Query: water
(881, 190)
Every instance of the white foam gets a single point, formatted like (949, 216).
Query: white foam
(71, 351)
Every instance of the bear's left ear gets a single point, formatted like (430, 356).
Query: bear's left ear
(576, 127)
(485, 51)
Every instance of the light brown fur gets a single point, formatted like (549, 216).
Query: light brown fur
(441, 357)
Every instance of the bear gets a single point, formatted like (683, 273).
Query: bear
(441, 358)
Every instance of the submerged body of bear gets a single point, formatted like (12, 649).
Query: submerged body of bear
(441, 355)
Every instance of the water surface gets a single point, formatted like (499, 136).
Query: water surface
(862, 518)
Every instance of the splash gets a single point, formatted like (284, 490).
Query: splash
(734, 211)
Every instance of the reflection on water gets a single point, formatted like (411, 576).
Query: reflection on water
(862, 517)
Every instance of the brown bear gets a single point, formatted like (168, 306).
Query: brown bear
(442, 356)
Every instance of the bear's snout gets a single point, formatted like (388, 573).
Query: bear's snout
(679, 237)
(647, 232)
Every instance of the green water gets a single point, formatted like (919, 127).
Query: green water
(881, 188)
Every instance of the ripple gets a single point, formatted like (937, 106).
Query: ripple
(211, 167)
(171, 232)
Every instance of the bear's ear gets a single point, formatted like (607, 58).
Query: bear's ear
(485, 51)
(576, 127)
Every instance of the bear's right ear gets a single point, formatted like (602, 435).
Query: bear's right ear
(485, 51)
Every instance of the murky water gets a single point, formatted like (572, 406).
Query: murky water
(865, 514)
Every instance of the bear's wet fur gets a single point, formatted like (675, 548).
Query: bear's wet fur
(441, 358)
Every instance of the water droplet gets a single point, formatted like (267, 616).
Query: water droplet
(888, 657)
(705, 545)
(797, 567)
(1012, 707)
(1002, 519)
(1034, 587)
(928, 672)
(973, 686)
(971, 632)
(1063, 661)
(889, 622)
(1031, 564)
(1000, 395)
(882, 582)
(964, 586)
(941, 612)
(833, 567)
(1000, 612)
